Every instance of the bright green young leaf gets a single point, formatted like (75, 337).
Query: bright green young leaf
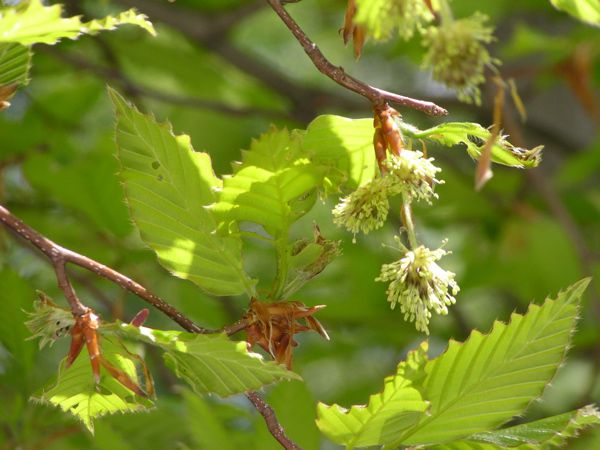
(32, 22)
(398, 407)
(344, 147)
(76, 392)
(587, 11)
(474, 136)
(210, 363)
(15, 61)
(551, 432)
(478, 385)
(271, 184)
(167, 185)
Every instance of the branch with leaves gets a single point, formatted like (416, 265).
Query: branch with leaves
(199, 225)
(59, 257)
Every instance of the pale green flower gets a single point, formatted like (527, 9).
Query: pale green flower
(412, 174)
(457, 55)
(419, 285)
(364, 209)
(383, 18)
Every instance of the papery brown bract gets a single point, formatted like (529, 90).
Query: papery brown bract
(273, 325)
(85, 331)
(387, 133)
(351, 29)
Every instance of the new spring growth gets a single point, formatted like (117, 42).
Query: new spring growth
(419, 285)
(366, 209)
(412, 174)
(384, 18)
(457, 55)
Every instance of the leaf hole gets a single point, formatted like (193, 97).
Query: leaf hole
(155, 165)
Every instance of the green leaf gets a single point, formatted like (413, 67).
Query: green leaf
(210, 363)
(344, 147)
(77, 393)
(270, 185)
(551, 432)
(545, 434)
(474, 136)
(477, 385)
(587, 11)
(398, 407)
(15, 61)
(32, 22)
(167, 185)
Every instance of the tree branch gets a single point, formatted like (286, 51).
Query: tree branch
(273, 425)
(375, 95)
(60, 256)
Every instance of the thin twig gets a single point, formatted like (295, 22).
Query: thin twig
(375, 95)
(60, 256)
(273, 425)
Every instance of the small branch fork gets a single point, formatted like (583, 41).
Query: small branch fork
(60, 256)
(375, 95)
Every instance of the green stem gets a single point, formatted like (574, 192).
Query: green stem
(283, 260)
(408, 221)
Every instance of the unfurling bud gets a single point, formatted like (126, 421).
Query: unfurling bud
(48, 321)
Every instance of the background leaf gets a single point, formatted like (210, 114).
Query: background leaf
(33, 22)
(167, 185)
(587, 11)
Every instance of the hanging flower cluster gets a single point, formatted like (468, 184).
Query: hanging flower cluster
(417, 282)
(366, 209)
(412, 174)
(419, 285)
(457, 55)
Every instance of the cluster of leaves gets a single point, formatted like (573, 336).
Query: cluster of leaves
(32, 22)
(459, 399)
(199, 236)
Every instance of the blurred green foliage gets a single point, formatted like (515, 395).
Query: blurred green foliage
(223, 81)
